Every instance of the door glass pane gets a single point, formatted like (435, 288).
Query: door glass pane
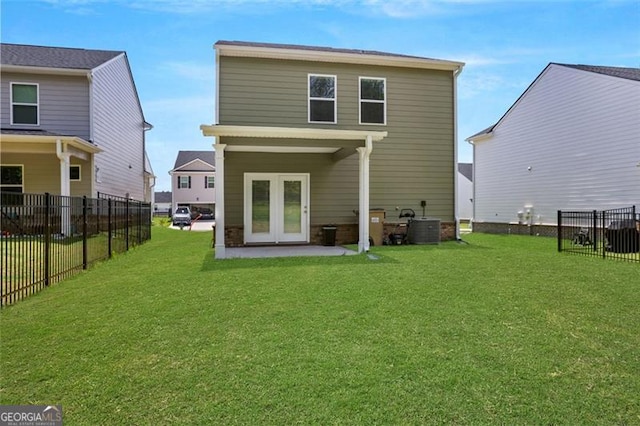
(260, 206)
(292, 206)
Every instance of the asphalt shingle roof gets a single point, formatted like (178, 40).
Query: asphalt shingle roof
(319, 49)
(626, 73)
(54, 57)
(162, 196)
(466, 169)
(185, 157)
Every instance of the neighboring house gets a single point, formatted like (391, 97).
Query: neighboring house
(193, 181)
(162, 202)
(312, 136)
(570, 142)
(71, 123)
(465, 191)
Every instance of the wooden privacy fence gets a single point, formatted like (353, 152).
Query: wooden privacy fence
(607, 233)
(46, 238)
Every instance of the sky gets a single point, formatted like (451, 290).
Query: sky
(505, 44)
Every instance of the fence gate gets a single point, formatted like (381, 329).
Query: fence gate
(611, 233)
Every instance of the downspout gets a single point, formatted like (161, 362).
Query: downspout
(456, 73)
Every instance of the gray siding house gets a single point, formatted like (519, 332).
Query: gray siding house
(570, 142)
(71, 123)
(311, 136)
(193, 181)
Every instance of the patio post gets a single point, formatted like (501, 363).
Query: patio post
(219, 207)
(363, 234)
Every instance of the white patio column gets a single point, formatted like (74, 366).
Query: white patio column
(220, 252)
(363, 234)
(65, 188)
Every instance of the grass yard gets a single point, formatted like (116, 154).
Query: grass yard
(502, 330)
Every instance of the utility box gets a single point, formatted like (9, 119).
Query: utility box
(376, 226)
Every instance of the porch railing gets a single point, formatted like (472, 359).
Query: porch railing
(46, 238)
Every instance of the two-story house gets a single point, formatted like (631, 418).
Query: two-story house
(570, 142)
(72, 123)
(311, 136)
(193, 181)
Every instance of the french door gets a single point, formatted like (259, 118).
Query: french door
(276, 207)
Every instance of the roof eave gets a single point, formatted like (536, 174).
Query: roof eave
(44, 70)
(335, 57)
(290, 132)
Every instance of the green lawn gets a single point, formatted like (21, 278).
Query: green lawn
(501, 330)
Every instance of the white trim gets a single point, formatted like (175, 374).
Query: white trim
(290, 133)
(284, 149)
(372, 101)
(219, 245)
(216, 112)
(179, 183)
(11, 185)
(335, 56)
(42, 70)
(276, 232)
(335, 98)
(12, 103)
(73, 141)
(206, 182)
(191, 162)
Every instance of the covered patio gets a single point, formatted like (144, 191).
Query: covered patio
(340, 144)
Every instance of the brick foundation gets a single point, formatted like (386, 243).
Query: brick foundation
(515, 229)
(346, 233)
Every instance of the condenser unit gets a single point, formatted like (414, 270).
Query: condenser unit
(424, 231)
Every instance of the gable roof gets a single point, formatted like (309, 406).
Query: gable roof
(186, 157)
(330, 54)
(466, 169)
(618, 72)
(54, 57)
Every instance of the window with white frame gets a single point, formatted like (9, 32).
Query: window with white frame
(24, 103)
(75, 172)
(209, 181)
(184, 182)
(11, 178)
(373, 107)
(322, 98)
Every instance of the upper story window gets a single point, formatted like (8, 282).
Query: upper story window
(373, 107)
(24, 103)
(184, 182)
(322, 98)
(209, 181)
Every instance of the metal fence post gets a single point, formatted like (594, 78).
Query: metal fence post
(559, 230)
(126, 229)
(84, 232)
(109, 226)
(139, 223)
(604, 240)
(595, 230)
(47, 237)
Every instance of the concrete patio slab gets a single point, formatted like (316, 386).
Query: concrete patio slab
(286, 251)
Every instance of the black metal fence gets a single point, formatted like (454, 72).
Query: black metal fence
(607, 233)
(46, 238)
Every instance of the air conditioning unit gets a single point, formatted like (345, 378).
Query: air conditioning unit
(424, 231)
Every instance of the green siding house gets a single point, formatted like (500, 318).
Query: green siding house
(310, 136)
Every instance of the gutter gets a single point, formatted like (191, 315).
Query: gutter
(456, 73)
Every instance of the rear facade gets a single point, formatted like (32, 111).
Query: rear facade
(311, 137)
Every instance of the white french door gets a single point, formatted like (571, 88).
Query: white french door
(276, 207)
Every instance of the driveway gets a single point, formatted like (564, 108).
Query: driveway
(198, 225)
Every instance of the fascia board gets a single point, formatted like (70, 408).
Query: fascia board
(44, 70)
(290, 132)
(336, 57)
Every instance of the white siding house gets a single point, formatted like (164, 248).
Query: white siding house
(193, 181)
(570, 142)
(465, 191)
